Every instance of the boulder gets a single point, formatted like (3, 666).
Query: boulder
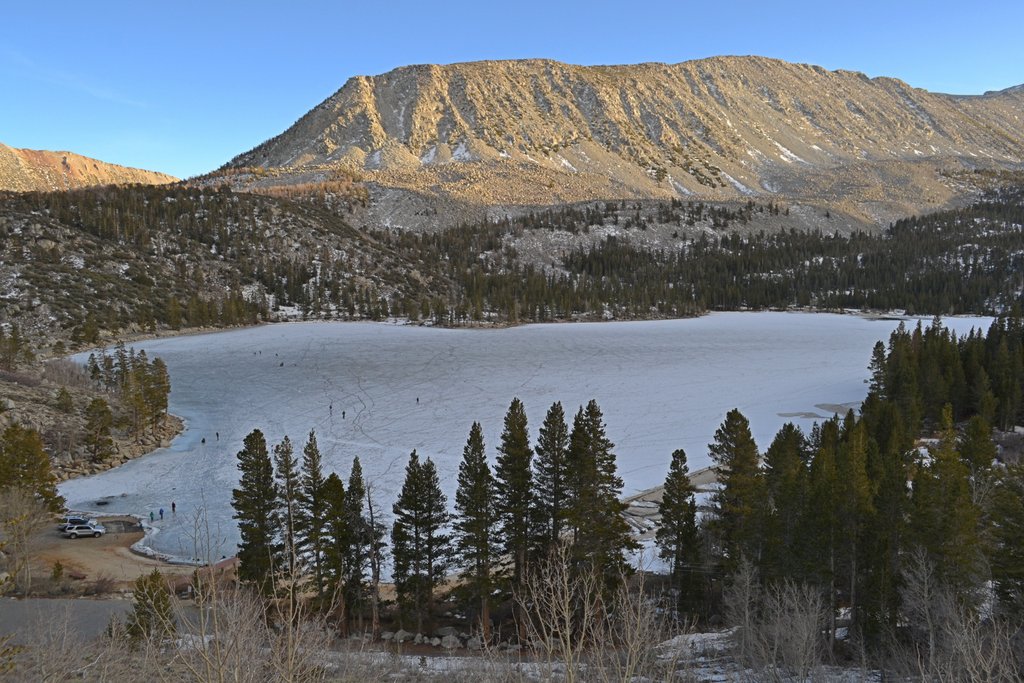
(418, 639)
(402, 636)
(436, 642)
(446, 631)
(451, 643)
(387, 636)
(475, 643)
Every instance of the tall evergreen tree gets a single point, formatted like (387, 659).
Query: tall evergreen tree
(976, 447)
(550, 479)
(475, 523)
(24, 464)
(311, 509)
(855, 507)
(944, 517)
(336, 540)
(739, 503)
(885, 538)
(288, 501)
(785, 474)
(1008, 546)
(98, 421)
(421, 549)
(256, 509)
(513, 493)
(676, 536)
(599, 531)
(821, 530)
(361, 538)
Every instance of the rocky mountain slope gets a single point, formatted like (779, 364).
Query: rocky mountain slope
(23, 170)
(438, 143)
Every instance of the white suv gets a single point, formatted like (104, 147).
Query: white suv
(74, 520)
(76, 530)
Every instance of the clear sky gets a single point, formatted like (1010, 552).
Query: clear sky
(183, 86)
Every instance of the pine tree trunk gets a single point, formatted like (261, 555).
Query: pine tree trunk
(520, 586)
(853, 586)
(374, 572)
(485, 608)
(832, 594)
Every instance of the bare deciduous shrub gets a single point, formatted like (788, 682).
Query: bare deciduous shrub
(580, 635)
(779, 629)
(67, 373)
(22, 517)
(742, 598)
(949, 638)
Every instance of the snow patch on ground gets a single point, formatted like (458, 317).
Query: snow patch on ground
(678, 187)
(429, 156)
(462, 152)
(738, 185)
(788, 156)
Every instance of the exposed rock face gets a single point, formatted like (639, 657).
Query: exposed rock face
(538, 132)
(28, 169)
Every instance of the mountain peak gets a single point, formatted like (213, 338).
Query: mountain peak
(29, 169)
(537, 131)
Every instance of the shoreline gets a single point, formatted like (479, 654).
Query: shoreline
(133, 337)
(144, 548)
(124, 451)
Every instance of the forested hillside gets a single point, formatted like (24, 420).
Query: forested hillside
(151, 258)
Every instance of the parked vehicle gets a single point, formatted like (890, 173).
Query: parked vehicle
(74, 520)
(76, 530)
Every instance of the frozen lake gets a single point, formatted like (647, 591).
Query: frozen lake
(662, 385)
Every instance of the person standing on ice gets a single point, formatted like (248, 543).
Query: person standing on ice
(174, 508)
(161, 514)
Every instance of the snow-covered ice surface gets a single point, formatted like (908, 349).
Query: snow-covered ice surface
(662, 385)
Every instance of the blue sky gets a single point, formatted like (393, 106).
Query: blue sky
(183, 86)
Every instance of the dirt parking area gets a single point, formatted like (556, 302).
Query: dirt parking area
(108, 557)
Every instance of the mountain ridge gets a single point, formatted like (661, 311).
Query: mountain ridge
(23, 170)
(538, 131)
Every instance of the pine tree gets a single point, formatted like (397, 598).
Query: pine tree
(513, 494)
(676, 536)
(944, 518)
(157, 390)
(550, 479)
(821, 529)
(152, 614)
(976, 447)
(311, 510)
(599, 531)
(25, 465)
(1008, 547)
(785, 474)
(288, 495)
(255, 503)
(362, 535)
(421, 549)
(377, 548)
(336, 539)
(98, 421)
(885, 536)
(739, 504)
(854, 506)
(475, 523)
